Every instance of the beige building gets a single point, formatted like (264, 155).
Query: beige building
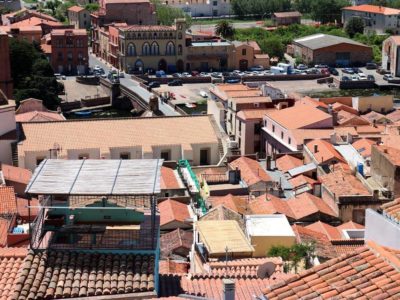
(7, 128)
(152, 47)
(380, 104)
(79, 17)
(169, 138)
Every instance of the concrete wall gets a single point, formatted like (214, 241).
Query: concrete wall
(216, 109)
(381, 104)
(262, 244)
(5, 152)
(381, 230)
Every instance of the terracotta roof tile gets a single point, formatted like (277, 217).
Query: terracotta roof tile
(287, 162)
(36, 21)
(392, 210)
(345, 118)
(350, 225)
(342, 284)
(394, 116)
(8, 201)
(346, 246)
(250, 170)
(169, 179)
(331, 232)
(11, 260)
(76, 8)
(4, 228)
(83, 274)
(375, 9)
(16, 174)
(223, 213)
(293, 117)
(337, 106)
(235, 203)
(173, 267)
(173, 211)
(392, 154)
(373, 116)
(177, 242)
(342, 183)
(252, 114)
(325, 151)
(39, 116)
(301, 180)
(363, 146)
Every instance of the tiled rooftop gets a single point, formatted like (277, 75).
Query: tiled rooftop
(250, 170)
(301, 180)
(56, 275)
(235, 203)
(8, 201)
(16, 174)
(374, 116)
(287, 162)
(346, 118)
(172, 211)
(392, 210)
(325, 151)
(10, 262)
(177, 242)
(333, 233)
(375, 9)
(223, 213)
(293, 117)
(391, 153)
(394, 116)
(169, 180)
(363, 146)
(369, 272)
(252, 114)
(39, 116)
(342, 183)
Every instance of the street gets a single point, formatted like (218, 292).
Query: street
(134, 86)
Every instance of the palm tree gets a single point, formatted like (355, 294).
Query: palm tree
(224, 29)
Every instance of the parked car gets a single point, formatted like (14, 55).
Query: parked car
(325, 71)
(203, 94)
(362, 76)
(354, 77)
(175, 82)
(382, 71)
(160, 74)
(371, 66)
(176, 75)
(345, 78)
(321, 66)
(388, 77)
(233, 80)
(257, 68)
(204, 74)
(348, 70)
(357, 70)
(371, 77)
(301, 67)
(186, 74)
(121, 75)
(154, 84)
(195, 73)
(333, 71)
(216, 75)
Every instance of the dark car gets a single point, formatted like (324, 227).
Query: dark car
(371, 77)
(154, 84)
(371, 66)
(345, 78)
(357, 70)
(348, 70)
(233, 80)
(175, 83)
(333, 71)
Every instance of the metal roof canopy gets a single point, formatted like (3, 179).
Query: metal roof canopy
(96, 177)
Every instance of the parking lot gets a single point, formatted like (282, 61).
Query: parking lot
(76, 91)
(187, 93)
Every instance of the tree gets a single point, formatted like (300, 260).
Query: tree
(273, 46)
(293, 255)
(353, 26)
(327, 11)
(167, 14)
(224, 29)
(91, 7)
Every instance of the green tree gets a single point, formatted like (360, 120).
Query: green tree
(167, 14)
(273, 46)
(91, 7)
(225, 29)
(354, 25)
(327, 11)
(292, 256)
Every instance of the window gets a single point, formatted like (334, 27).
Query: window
(69, 56)
(170, 49)
(289, 141)
(146, 49)
(39, 160)
(243, 51)
(180, 35)
(273, 128)
(240, 126)
(166, 155)
(265, 123)
(155, 49)
(84, 15)
(215, 3)
(125, 155)
(282, 135)
(83, 156)
(204, 157)
(257, 128)
(131, 49)
(180, 50)
(60, 56)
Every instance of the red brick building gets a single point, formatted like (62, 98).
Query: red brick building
(69, 51)
(6, 84)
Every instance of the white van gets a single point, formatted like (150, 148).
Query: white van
(277, 70)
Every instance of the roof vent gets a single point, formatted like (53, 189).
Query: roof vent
(315, 148)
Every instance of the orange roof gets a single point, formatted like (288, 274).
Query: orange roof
(350, 119)
(39, 116)
(337, 106)
(8, 202)
(394, 116)
(325, 151)
(252, 114)
(311, 101)
(375, 116)
(253, 99)
(173, 267)
(331, 232)
(365, 273)
(235, 203)
(268, 204)
(287, 162)
(11, 261)
(363, 146)
(76, 8)
(169, 180)
(294, 117)
(342, 183)
(350, 225)
(373, 9)
(301, 180)
(251, 171)
(16, 174)
(35, 21)
(392, 154)
(392, 209)
(4, 227)
(171, 210)
(369, 129)
(300, 135)
(244, 93)
(64, 31)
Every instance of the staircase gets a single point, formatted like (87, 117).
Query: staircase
(14, 154)
(222, 138)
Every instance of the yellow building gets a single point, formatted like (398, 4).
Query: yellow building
(152, 47)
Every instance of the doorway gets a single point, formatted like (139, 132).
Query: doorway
(162, 65)
(204, 157)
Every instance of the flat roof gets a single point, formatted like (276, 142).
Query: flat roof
(208, 44)
(302, 169)
(96, 177)
(217, 235)
(320, 40)
(268, 225)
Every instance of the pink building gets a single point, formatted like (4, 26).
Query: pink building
(284, 130)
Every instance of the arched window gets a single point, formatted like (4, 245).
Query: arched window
(155, 49)
(146, 49)
(170, 50)
(179, 49)
(131, 49)
(180, 35)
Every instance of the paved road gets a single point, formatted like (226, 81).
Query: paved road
(135, 87)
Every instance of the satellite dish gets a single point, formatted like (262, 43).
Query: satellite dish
(266, 270)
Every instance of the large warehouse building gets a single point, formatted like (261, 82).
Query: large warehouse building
(330, 50)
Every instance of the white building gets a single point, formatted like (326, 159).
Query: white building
(377, 19)
(202, 8)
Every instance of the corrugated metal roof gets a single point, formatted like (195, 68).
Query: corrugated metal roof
(302, 169)
(318, 41)
(96, 177)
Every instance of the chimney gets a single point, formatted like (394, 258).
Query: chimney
(228, 289)
(268, 162)
(315, 148)
(374, 123)
(334, 138)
